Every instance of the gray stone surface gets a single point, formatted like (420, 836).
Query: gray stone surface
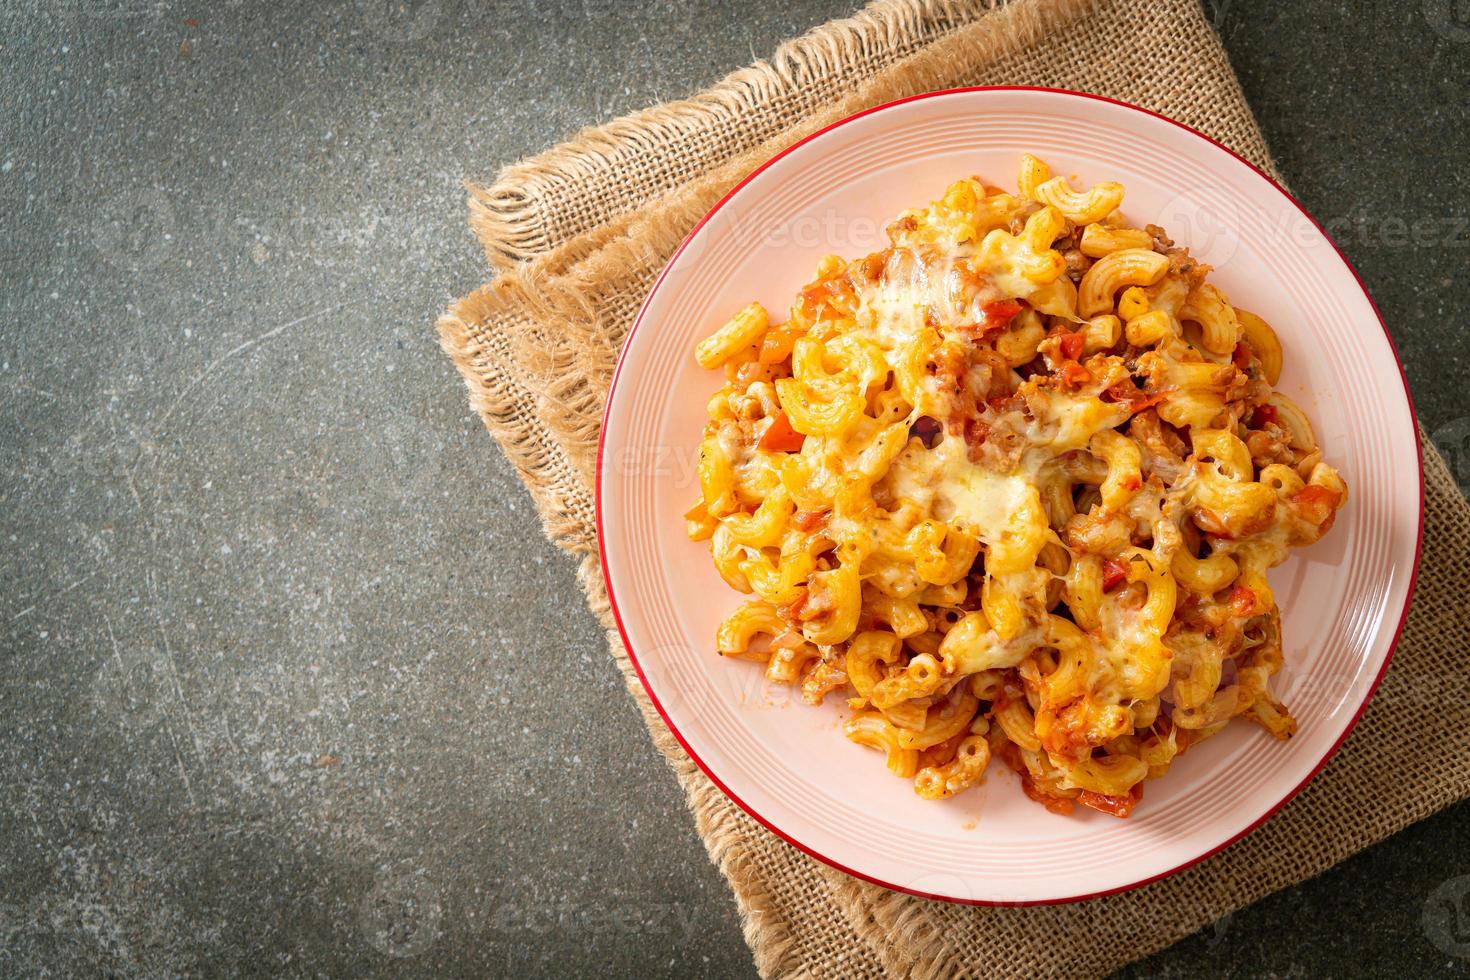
(290, 681)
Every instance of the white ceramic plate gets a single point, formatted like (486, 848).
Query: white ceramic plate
(787, 764)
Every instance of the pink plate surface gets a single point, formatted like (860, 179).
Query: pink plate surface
(787, 764)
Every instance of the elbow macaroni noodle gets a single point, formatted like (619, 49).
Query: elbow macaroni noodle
(1012, 485)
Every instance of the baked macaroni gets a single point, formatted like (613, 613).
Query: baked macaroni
(1012, 485)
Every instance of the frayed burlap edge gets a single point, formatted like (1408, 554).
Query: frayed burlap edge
(515, 214)
(564, 286)
(523, 213)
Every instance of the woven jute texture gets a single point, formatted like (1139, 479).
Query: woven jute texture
(577, 236)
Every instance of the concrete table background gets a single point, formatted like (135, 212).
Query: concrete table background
(290, 680)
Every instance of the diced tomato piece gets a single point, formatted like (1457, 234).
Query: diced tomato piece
(1241, 356)
(999, 315)
(1313, 495)
(1318, 505)
(780, 437)
(995, 316)
(1149, 401)
(1242, 601)
(776, 345)
(976, 431)
(1071, 345)
(1118, 806)
(805, 520)
(835, 292)
(1135, 398)
(1265, 415)
(1114, 573)
(1073, 373)
(1001, 403)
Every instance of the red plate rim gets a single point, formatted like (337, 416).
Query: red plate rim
(805, 849)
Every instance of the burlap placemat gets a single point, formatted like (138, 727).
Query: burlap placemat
(578, 235)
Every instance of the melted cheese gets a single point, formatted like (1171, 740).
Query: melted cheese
(992, 506)
(986, 502)
(1008, 281)
(939, 286)
(1119, 673)
(755, 476)
(896, 313)
(1064, 421)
